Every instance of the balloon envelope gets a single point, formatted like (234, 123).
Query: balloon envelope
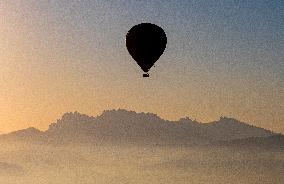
(146, 42)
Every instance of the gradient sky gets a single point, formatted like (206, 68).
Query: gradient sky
(222, 58)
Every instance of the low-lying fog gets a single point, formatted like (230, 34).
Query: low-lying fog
(42, 164)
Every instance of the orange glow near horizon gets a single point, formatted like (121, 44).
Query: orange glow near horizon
(51, 65)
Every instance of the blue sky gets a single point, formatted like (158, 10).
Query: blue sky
(222, 58)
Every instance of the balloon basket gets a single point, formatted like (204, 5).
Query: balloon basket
(145, 75)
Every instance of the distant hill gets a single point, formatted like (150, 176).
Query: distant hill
(29, 134)
(119, 126)
(230, 129)
(128, 127)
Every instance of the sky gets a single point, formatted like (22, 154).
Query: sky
(223, 58)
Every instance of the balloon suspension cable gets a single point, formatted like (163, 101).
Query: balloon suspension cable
(145, 74)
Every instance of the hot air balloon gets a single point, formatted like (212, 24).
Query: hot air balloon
(146, 42)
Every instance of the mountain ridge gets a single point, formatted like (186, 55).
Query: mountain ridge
(123, 126)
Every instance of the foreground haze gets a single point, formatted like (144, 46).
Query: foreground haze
(122, 146)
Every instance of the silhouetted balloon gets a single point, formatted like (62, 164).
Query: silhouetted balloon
(146, 42)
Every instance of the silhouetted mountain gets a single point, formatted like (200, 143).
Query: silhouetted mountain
(29, 134)
(119, 126)
(230, 129)
(122, 126)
